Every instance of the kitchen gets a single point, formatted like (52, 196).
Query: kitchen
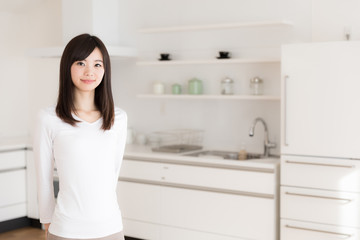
(225, 121)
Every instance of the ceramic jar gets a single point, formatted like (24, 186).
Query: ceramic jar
(176, 88)
(195, 86)
(158, 88)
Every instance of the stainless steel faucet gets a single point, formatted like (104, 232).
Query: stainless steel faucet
(267, 143)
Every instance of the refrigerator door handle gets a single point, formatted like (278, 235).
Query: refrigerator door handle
(320, 164)
(343, 235)
(286, 77)
(316, 196)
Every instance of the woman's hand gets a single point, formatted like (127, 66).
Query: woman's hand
(46, 226)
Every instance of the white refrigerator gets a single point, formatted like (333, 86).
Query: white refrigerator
(320, 141)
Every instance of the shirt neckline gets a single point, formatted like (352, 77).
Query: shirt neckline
(86, 122)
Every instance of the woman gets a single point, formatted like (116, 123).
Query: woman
(85, 136)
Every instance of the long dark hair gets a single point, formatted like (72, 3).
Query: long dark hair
(79, 48)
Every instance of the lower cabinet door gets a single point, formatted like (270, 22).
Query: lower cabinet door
(13, 211)
(297, 230)
(140, 205)
(222, 214)
(142, 230)
(171, 213)
(172, 233)
(13, 187)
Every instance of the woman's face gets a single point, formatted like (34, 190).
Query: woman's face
(87, 74)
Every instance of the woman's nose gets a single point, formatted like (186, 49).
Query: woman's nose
(89, 71)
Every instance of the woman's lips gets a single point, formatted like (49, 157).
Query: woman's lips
(87, 81)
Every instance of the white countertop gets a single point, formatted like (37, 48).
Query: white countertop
(145, 153)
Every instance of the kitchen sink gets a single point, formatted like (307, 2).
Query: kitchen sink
(223, 155)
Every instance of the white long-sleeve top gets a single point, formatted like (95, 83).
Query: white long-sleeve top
(88, 162)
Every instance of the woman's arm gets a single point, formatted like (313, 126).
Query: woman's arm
(121, 141)
(44, 165)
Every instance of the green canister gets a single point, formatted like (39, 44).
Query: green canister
(195, 86)
(176, 88)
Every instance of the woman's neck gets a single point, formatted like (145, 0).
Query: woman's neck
(84, 101)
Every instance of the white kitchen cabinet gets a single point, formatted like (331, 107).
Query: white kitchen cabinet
(296, 230)
(321, 173)
(244, 181)
(33, 208)
(13, 202)
(321, 206)
(320, 176)
(12, 160)
(233, 215)
(162, 200)
(140, 201)
(320, 92)
(256, 181)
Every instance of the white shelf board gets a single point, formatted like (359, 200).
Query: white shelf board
(56, 52)
(215, 26)
(208, 61)
(210, 96)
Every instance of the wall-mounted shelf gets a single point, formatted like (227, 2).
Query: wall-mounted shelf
(210, 96)
(215, 26)
(209, 61)
(56, 52)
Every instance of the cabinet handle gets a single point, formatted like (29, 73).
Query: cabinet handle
(285, 112)
(320, 231)
(315, 196)
(321, 164)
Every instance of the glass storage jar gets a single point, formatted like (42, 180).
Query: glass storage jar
(227, 86)
(256, 86)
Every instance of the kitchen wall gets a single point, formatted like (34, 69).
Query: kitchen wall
(333, 18)
(32, 83)
(23, 25)
(226, 122)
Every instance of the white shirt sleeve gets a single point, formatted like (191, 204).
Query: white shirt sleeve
(121, 143)
(44, 164)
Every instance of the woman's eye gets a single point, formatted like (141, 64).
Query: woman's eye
(98, 65)
(80, 63)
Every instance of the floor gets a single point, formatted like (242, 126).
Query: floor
(26, 233)
(31, 233)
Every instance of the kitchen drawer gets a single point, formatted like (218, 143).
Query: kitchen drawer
(141, 170)
(11, 160)
(321, 206)
(321, 173)
(139, 201)
(12, 212)
(141, 230)
(12, 187)
(297, 230)
(172, 233)
(252, 181)
(239, 216)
